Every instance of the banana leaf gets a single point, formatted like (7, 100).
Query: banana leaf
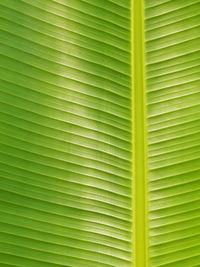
(99, 133)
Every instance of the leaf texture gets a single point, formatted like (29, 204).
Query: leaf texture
(67, 139)
(173, 68)
(65, 133)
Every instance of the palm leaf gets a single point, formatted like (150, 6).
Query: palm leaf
(73, 143)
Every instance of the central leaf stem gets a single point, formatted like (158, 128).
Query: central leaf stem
(139, 149)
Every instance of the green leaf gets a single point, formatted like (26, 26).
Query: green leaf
(172, 72)
(65, 134)
(99, 133)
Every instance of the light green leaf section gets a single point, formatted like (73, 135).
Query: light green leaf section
(173, 89)
(73, 133)
(65, 133)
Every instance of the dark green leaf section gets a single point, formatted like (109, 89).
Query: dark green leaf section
(173, 68)
(65, 133)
